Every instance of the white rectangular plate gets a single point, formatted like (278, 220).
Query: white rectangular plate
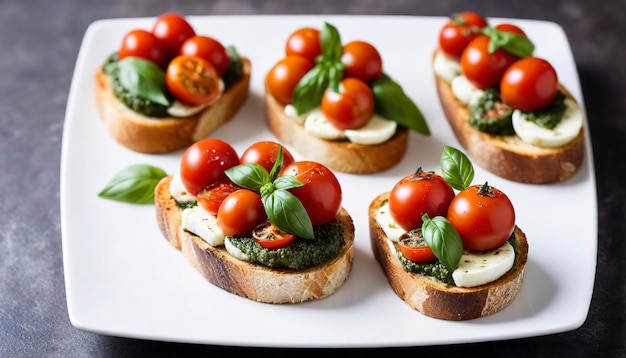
(124, 279)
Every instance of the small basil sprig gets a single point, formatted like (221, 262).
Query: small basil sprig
(134, 185)
(443, 239)
(518, 45)
(143, 78)
(282, 207)
(391, 102)
(456, 168)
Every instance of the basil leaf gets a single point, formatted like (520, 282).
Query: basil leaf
(456, 168)
(287, 212)
(443, 239)
(278, 164)
(287, 182)
(330, 41)
(515, 44)
(309, 91)
(391, 102)
(134, 185)
(250, 175)
(143, 78)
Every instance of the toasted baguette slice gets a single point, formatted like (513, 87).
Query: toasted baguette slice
(163, 135)
(343, 156)
(508, 156)
(250, 280)
(436, 299)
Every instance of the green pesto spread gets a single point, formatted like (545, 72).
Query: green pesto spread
(301, 254)
(551, 115)
(157, 110)
(491, 115)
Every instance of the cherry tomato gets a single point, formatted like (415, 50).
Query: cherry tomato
(361, 60)
(204, 162)
(460, 31)
(484, 69)
(271, 237)
(211, 197)
(265, 154)
(304, 42)
(141, 43)
(172, 29)
(321, 193)
(285, 75)
(240, 213)
(192, 80)
(414, 247)
(351, 107)
(511, 28)
(418, 194)
(483, 216)
(529, 84)
(209, 49)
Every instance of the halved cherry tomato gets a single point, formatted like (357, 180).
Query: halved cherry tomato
(270, 237)
(204, 162)
(212, 197)
(209, 49)
(418, 194)
(320, 193)
(304, 42)
(460, 31)
(240, 213)
(351, 107)
(265, 153)
(482, 68)
(172, 29)
(285, 75)
(192, 80)
(141, 43)
(414, 247)
(529, 84)
(483, 216)
(361, 60)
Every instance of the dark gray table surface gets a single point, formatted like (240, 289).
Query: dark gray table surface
(39, 43)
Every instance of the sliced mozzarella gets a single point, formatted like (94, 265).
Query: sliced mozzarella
(180, 109)
(446, 67)
(234, 251)
(386, 222)
(477, 269)
(564, 132)
(290, 111)
(317, 124)
(376, 130)
(200, 222)
(179, 192)
(465, 91)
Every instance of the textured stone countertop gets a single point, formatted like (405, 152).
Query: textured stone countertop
(40, 42)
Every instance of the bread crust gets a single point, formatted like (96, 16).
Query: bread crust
(436, 299)
(163, 135)
(250, 280)
(508, 156)
(343, 156)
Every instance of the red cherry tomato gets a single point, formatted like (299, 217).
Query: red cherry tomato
(414, 248)
(483, 216)
(240, 213)
(265, 154)
(192, 80)
(204, 162)
(418, 194)
(304, 42)
(484, 69)
(211, 197)
(361, 60)
(285, 75)
(460, 31)
(529, 84)
(141, 43)
(351, 107)
(172, 29)
(321, 193)
(511, 28)
(209, 49)
(270, 237)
